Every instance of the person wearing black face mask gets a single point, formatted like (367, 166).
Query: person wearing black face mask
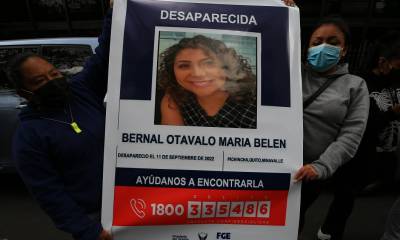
(384, 121)
(383, 126)
(394, 74)
(58, 146)
(54, 94)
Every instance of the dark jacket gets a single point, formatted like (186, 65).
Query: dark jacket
(63, 169)
(383, 123)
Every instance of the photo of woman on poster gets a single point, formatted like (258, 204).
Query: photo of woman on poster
(202, 82)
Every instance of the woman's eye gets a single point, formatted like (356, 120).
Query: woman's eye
(39, 80)
(56, 74)
(183, 66)
(209, 63)
(316, 43)
(334, 42)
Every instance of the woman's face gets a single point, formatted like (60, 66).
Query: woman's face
(37, 72)
(329, 34)
(198, 72)
(386, 66)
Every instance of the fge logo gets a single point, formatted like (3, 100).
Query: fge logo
(223, 235)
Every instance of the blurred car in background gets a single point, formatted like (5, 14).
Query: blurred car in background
(67, 54)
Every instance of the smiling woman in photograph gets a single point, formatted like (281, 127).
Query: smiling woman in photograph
(205, 83)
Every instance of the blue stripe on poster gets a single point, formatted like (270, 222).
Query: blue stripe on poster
(201, 179)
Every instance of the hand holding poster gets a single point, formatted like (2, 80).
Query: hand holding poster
(203, 121)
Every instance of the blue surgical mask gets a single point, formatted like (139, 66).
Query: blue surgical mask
(323, 57)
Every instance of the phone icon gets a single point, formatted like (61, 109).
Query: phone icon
(138, 206)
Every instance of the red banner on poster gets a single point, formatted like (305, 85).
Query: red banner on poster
(146, 206)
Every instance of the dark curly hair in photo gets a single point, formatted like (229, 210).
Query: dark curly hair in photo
(240, 80)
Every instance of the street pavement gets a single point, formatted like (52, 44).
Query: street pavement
(21, 218)
(367, 221)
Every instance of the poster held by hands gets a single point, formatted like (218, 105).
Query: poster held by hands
(204, 121)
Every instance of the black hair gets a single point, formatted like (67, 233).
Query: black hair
(340, 23)
(14, 73)
(387, 46)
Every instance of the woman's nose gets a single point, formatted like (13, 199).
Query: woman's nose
(198, 70)
(52, 76)
(49, 77)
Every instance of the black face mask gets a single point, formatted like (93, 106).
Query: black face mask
(394, 75)
(54, 94)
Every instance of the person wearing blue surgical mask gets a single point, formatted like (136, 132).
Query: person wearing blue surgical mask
(335, 120)
(323, 56)
(326, 48)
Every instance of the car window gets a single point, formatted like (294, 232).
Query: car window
(69, 59)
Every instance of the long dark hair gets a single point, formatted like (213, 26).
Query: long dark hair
(240, 83)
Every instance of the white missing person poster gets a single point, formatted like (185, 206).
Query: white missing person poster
(204, 121)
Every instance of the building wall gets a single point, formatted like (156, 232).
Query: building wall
(55, 18)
